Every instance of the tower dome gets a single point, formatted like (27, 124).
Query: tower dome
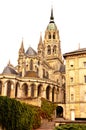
(51, 25)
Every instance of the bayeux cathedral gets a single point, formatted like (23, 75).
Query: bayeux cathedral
(43, 74)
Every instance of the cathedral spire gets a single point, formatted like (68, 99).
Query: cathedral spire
(9, 63)
(51, 17)
(40, 45)
(22, 47)
(40, 40)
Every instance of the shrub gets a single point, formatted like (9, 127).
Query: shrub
(47, 108)
(15, 115)
(71, 127)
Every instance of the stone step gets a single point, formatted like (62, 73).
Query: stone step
(47, 126)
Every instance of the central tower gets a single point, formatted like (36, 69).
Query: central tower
(52, 50)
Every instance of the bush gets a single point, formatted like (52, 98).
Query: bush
(18, 116)
(71, 127)
(47, 109)
(15, 115)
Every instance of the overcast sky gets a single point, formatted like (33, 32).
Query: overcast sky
(27, 18)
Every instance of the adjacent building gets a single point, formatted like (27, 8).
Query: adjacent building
(75, 84)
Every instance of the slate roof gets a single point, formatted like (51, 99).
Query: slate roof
(31, 52)
(76, 52)
(9, 70)
(62, 68)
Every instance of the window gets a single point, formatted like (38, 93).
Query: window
(48, 50)
(43, 73)
(84, 64)
(49, 36)
(85, 79)
(54, 49)
(31, 65)
(71, 65)
(47, 75)
(53, 35)
(72, 97)
(71, 79)
(38, 62)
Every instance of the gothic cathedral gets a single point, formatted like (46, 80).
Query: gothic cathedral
(42, 74)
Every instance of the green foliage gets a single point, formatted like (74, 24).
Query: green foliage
(47, 109)
(18, 116)
(15, 115)
(71, 127)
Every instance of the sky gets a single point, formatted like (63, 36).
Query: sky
(25, 19)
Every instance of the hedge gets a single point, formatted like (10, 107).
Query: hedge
(15, 115)
(71, 127)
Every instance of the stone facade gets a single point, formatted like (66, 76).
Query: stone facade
(75, 84)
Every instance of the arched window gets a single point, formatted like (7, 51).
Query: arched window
(54, 35)
(8, 88)
(48, 50)
(39, 90)
(0, 87)
(31, 64)
(49, 36)
(43, 73)
(47, 75)
(54, 49)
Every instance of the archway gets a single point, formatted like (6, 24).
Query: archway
(9, 88)
(59, 111)
(48, 93)
(33, 88)
(39, 93)
(25, 90)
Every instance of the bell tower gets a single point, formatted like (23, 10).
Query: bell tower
(52, 50)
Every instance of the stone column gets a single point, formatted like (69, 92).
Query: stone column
(4, 89)
(35, 91)
(2, 93)
(12, 91)
(20, 91)
(44, 91)
(55, 96)
(29, 90)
